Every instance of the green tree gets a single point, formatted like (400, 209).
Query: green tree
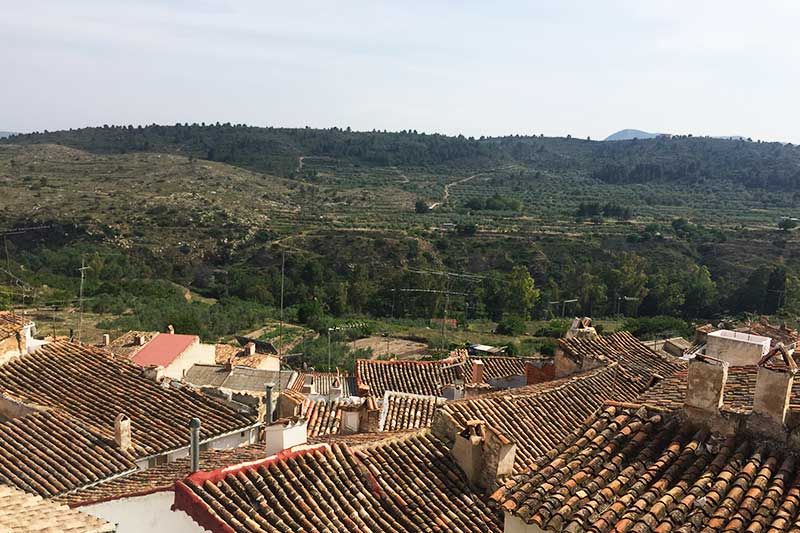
(591, 292)
(421, 206)
(521, 293)
(786, 224)
(701, 295)
(629, 279)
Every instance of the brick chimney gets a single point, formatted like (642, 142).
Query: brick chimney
(122, 432)
(773, 390)
(705, 386)
(477, 371)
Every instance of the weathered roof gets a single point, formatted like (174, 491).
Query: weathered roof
(360, 439)
(495, 367)
(738, 394)
(238, 356)
(402, 410)
(639, 471)
(48, 454)
(92, 387)
(538, 417)
(417, 377)
(622, 347)
(27, 513)
(11, 323)
(778, 334)
(403, 484)
(126, 346)
(238, 378)
(163, 349)
(160, 477)
(323, 381)
(323, 416)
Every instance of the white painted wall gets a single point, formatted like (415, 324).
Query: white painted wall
(197, 353)
(737, 348)
(144, 514)
(282, 436)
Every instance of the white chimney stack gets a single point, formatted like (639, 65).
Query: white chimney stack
(106, 339)
(170, 329)
(122, 432)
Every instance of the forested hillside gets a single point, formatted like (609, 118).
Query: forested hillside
(694, 228)
(684, 159)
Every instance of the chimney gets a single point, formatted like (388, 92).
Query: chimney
(774, 388)
(453, 391)
(170, 329)
(268, 402)
(484, 454)
(284, 434)
(153, 373)
(351, 417)
(250, 348)
(539, 372)
(477, 371)
(336, 389)
(106, 339)
(194, 443)
(308, 384)
(122, 432)
(370, 416)
(705, 385)
(138, 339)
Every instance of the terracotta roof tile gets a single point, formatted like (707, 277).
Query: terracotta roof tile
(236, 355)
(621, 347)
(639, 471)
(47, 454)
(126, 345)
(11, 323)
(161, 477)
(538, 417)
(407, 411)
(27, 513)
(403, 484)
(416, 377)
(737, 396)
(495, 367)
(91, 387)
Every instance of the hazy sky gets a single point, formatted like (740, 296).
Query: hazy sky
(478, 68)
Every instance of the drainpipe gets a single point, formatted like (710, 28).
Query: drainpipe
(194, 448)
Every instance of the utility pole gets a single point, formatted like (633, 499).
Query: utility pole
(82, 269)
(280, 325)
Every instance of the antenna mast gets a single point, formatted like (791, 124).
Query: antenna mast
(82, 269)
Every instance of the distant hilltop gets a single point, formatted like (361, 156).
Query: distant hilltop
(6, 134)
(630, 134)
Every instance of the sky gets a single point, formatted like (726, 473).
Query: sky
(583, 68)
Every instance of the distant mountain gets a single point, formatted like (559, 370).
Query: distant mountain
(628, 135)
(6, 134)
